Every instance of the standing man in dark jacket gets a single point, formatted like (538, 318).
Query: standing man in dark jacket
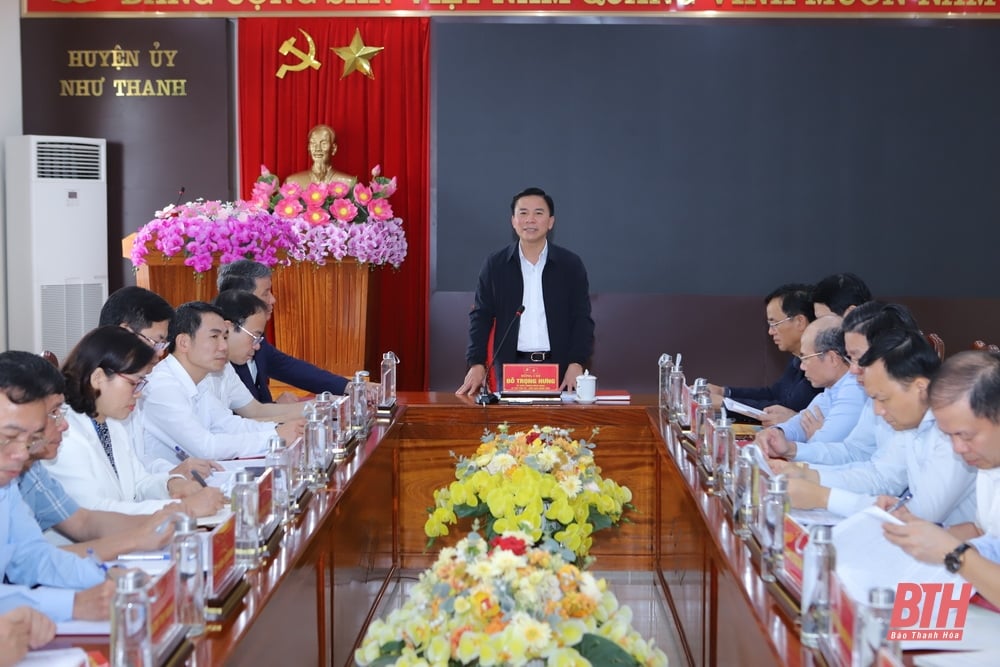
(551, 284)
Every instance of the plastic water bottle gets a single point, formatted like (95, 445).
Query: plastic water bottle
(247, 530)
(359, 401)
(677, 383)
(819, 562)
(277, 460)
(387, 391)
(871, 628)
(773, 510)
(665, 365)
(185, 551)
(131, 637)
(743, 507)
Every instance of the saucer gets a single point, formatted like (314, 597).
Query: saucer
(584, 402)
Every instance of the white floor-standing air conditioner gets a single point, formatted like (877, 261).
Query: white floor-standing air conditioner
(57, 240)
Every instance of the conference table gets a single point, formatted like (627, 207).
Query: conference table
(311, 601)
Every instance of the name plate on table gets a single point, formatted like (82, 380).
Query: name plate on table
(531, 380)
(169, 646)
(842, 618)
(796, 539)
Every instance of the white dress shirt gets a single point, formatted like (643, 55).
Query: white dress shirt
(175, 411)
(921, 459)
(988, 501)
(228, 386)
(85, 472)
(533, 332)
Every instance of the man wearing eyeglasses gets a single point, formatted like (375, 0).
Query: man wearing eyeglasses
(789, 311)
(899, 367)
(144, 313)
(269, 361)
(58, 583)
(832, 414)
(247, 316)
(182, 414)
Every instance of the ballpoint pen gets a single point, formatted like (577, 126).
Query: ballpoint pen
(903, 498)
(198, 478)
(181, 454)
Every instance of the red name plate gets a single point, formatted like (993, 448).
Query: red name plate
(530, 378)
(796, 539)
(842, 612)
(265, 495)
(885, 659)
(162, 596)
(223, 540)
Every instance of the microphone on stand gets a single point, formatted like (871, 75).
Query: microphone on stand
(487, 397)
(180, 195)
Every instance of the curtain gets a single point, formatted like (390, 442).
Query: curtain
(382, 121)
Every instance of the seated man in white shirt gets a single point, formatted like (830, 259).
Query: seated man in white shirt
(246, 315)
(965, 398)
(899, 367)
(181, 414)
(832, 414)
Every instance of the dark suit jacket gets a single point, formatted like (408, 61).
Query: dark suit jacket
(499, 294)
(272, 362)
(792, 390)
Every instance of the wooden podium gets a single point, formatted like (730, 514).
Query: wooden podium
(324, 313)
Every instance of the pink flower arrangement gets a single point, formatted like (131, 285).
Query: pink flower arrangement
(317, 224)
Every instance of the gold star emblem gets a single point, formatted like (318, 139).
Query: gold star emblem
(356, 56)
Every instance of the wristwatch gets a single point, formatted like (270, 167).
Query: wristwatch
(953, 559)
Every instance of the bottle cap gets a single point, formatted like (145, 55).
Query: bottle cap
(665, 360)
(184, 524)
(275, 442)
(820, 534)
(391, 356)
(132, 581)
(881, 597)
(244, 476)
(778, 484)
(325, 397)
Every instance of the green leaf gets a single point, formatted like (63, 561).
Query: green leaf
(601, 651)
(465, 510)
(389, 653)
(598, 520)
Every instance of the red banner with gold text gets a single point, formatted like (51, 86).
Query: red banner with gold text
(699, 8)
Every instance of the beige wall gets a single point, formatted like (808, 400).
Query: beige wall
(10, 124)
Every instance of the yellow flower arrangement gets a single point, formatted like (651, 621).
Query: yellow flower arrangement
(507, 603)
(542, 482)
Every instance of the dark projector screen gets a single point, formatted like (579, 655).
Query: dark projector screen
(725, 157)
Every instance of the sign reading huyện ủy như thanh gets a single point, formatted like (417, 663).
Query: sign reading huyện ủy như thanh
(699, 8)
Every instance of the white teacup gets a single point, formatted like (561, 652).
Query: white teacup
(586, 387)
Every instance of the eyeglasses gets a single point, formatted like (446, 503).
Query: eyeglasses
(158, 346)
(254, 340)
(59, 414)
(774, 325)
(137, 383)
(806, 357)
(31, 441)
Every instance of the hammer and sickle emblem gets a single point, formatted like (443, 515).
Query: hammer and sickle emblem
(305, 59)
